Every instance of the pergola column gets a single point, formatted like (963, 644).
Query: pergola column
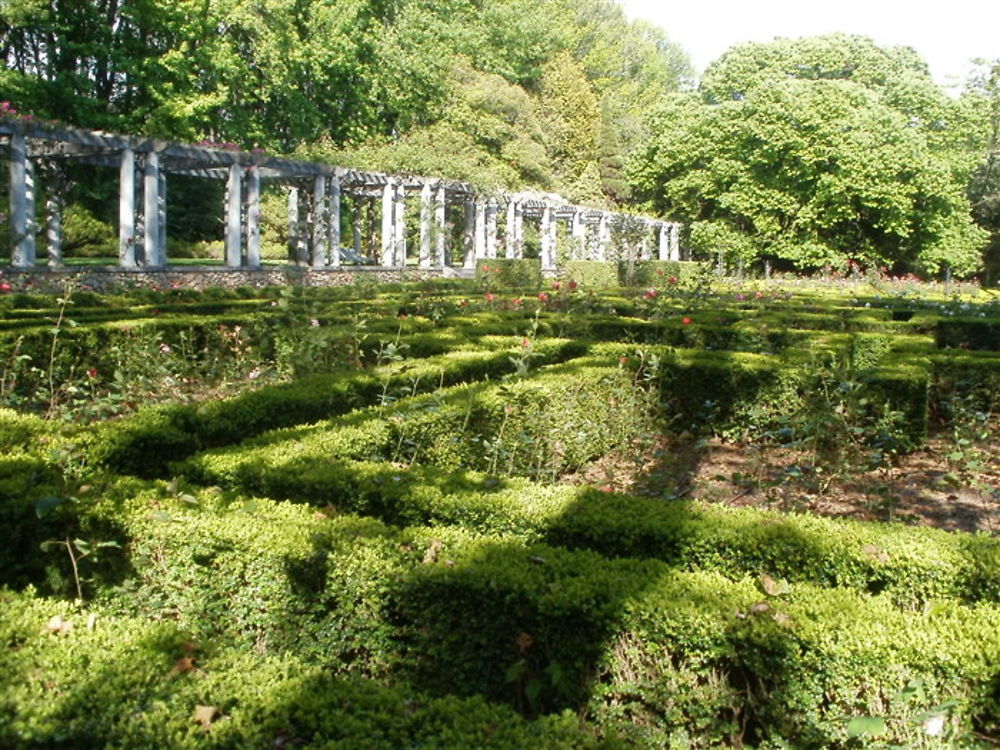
(22, 236)
(126, 209)
(480, 230)
(664, 242)
(675, 242)
(53, 227)
(155, 254)
(426, 209)
(548, 240)
(491, 230)
(333, 237)
(296, 237)
(400, 229)
(515, 225)
(469, 235)
(317, 218)
(356, 208)
(603, 236)
(253, 217)
(388, 224)
(234, 215)
(440, 226)
(579, 236)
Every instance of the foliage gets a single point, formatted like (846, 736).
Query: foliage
(816, 152)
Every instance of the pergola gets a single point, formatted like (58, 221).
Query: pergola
(315, 194)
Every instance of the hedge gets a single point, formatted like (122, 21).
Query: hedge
(139, 682)
(510, 273)
(911, 565)
(542, 426)
(548, 629)
(968, 333)
(147, 442)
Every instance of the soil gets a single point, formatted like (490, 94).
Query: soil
(928, 487)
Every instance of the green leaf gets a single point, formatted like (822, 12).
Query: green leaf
(861, 726)
(514, 671)
(47, 504)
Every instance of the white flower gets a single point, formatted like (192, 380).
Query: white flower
(164, 349)
(313, 322)
(934, 725)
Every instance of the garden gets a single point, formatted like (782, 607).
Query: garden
(637, 505)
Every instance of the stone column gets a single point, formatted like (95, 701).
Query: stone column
(603, 236)
(317, 217)
(356, 208)
(253, 217)
(400, 230)
(675, 242)
(426, 208)
(518, 230)
(234, 216)
(480, 230)
(579, 236)
(155, 253)
(388, 224)
(161, 213)
(548, 240)
(643, 253)
(53, 227)
(334, 221)
(491, 229)
(440, 227)
(126, 209)
(664, 242)
(22, 235)
(293, 224)
(469, 236)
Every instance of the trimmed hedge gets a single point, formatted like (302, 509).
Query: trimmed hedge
(542, 426)
(146, 443)
(636, 646)
(911, 565)
(138, 682)
(510, 273)
(967, 333)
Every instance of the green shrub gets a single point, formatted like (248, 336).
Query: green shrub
(911, 566)
(658, 272)
(591, 274)
(131, 446)
(967, 333)
(547, 629)
(542, 426)
(136, 682)
(510, 273)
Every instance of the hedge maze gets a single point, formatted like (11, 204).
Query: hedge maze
(338, 518)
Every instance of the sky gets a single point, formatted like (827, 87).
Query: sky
(947, 35)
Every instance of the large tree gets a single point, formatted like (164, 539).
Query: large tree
(815, 152)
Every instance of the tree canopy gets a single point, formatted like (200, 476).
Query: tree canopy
(817, 151)
(518, 91)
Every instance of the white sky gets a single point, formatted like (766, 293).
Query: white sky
(946, 34)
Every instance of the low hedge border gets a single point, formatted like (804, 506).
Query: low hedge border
(549, 629)
(542, 426)
(137, 682)
(911, 565)
(146, 443)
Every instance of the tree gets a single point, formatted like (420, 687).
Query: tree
(982, 96)
(815, 152)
